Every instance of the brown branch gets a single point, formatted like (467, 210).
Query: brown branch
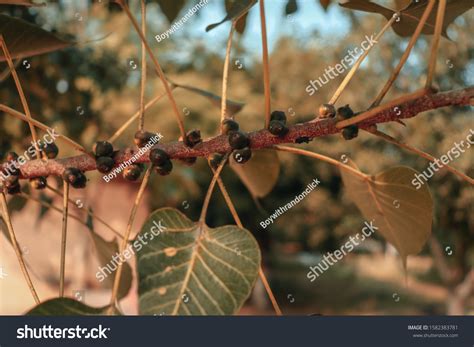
(261, 138)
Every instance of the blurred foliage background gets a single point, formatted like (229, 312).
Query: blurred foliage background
(91, 88)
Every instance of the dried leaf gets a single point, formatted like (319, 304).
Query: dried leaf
(171, 9)
(237, 9)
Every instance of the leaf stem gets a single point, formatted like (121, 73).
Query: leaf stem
(125, 238)
(62, 270)
(435, 44)
(158, 69)
(405, 55)
(225, 75)
(141, 123)
(8, 58)
(19, 255)
(323, 158)
(266, 64)
(359, 61)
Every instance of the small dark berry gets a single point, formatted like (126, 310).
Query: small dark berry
(215, 159)
(278, 128)
(11, 156)
(14, 189)
(193, 137)
(188, 161)
(38, 182)
(104, 164)
(279, 116)
(238, 140)
(51, 150)
(165, 169)
(242, 155)
(344, 112)
(350, 132)
(327, 111)
(132, 172)
(143, 137)
(103, 149)
(229, 125)
(74, 177)
(303, 139)
(158, 157)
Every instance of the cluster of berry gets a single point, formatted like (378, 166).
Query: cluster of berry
(12, 183)
(342, 113)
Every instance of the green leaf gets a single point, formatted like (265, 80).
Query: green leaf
(260, 173)
(402, 213)
(24, 39)
(235, 11)
(65, 307)
(291, 7)
(233, 107)
(105, 251)
(172, 8)
(411, 15)
(241, 22)
(191, 269)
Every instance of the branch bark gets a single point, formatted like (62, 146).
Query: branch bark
(261, 138)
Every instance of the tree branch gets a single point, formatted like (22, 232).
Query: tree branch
(261, 138)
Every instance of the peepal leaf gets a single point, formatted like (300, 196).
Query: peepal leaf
(242, 21)
(191, 269)
(402, 213)
(171, 9)
(65, 307)
(233, 107)
(260, 173)
(410, 16)
(105, 251)
(235, 11)
(24, 39)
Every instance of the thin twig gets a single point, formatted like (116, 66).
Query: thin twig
(359, 61)
(261, 274)
(89, 212)
(42, 126)
(207, 199)
(19, 255)
(179, 117)
(62, 270)
(124, 243)
(9, 60)
(435, 44)
(141, 123)
(225, 75)
(323, 158)
(266, 64)
(422, 154)
(124, 127)
(405, 55)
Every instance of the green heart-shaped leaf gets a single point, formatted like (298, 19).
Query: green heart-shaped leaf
(402, 213)
(65, 307)
(191, 269)
(24, 39)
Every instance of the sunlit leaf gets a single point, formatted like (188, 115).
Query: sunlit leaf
(260, 173)
(191, 269)
(106, 250)
(172, 8)
(237, 9)
(24, 39)
(402, 213)
(233, 107)
(411, 15)
(65, 307)
(291, 7)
